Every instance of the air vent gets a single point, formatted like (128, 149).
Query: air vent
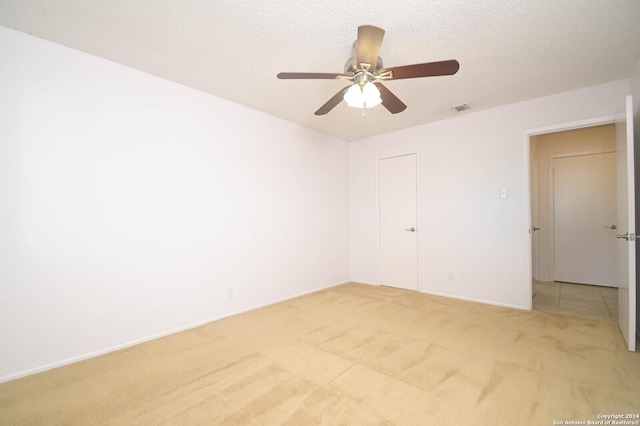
(460, 108)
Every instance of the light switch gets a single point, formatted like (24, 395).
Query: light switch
(503, 193)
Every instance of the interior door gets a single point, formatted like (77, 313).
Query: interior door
(584, 215)
(626, 221)
(398, 233)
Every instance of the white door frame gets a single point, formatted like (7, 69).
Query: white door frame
(535, 242)
(550, 191)
(418, 224)
(527, 278)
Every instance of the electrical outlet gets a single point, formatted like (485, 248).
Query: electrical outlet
(229, 293)
(452, 276)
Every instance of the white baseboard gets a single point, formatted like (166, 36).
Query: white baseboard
(450, 296)
(72, 360)
(363, 282)
(472, 299)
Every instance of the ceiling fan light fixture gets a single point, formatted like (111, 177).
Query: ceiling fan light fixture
(366, 96)
(371, 95)
(353, 97)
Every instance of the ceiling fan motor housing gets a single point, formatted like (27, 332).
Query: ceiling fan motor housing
(352, 67)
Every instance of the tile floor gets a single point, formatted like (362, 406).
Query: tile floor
(580, 300)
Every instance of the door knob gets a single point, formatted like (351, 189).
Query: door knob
(535, 228)
(611, 227)
(625, 236)
(412, 229)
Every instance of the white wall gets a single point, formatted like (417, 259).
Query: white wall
(464, 225)
(129, 205)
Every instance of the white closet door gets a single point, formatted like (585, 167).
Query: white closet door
(398, 233)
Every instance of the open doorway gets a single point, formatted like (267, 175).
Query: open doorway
(574, 258)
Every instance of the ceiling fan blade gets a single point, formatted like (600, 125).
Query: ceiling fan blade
(389, 100)
(311, 75)
(331, 103)
(429, 69)
(368, 45)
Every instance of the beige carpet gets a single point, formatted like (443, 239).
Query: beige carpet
(354, 354)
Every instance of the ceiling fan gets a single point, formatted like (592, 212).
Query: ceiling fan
(365, 72)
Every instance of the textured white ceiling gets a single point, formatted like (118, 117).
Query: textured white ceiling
(509, 50)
